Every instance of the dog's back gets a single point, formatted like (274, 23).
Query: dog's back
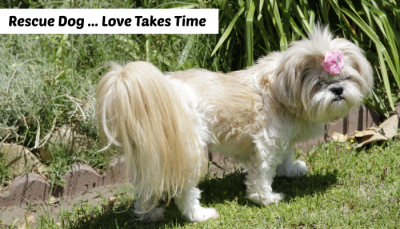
(231, 104)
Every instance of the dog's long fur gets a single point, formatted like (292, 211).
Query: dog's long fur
(139, 112)
(163, 123)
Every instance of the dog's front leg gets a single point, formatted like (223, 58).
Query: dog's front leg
(260, 176)
(291, 168)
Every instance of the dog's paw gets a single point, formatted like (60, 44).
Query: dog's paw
(152, 216)
(265, 199)
(199, 214)
(296, 169)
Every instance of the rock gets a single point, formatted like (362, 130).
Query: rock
(20, 160)
(32, 188)
(25, 189)
(65, 137)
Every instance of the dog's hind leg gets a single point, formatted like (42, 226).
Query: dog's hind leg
(291, 168)
(189, 204)
(260, 176)
(145, 215)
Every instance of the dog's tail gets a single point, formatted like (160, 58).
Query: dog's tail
(139, 112)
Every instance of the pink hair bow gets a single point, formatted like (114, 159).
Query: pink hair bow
(334, 62)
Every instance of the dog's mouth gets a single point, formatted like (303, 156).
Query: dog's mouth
(338, 99)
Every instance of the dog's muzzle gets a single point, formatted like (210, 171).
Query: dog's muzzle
(338, 92)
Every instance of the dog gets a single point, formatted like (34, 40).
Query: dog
(164, 123)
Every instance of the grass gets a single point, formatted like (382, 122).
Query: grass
(345, 188)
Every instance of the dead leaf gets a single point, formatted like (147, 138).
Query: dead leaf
(362, 133)
(390, 126)
(371, 138)
(339, 137)
(386, 170)
(53, 200)
(109, 206)
(111, 201)
(43, 172)
(29, 219)
(385, 131)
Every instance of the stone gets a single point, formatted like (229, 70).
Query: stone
(20, 160)
(80, 178)
(65, 137)
(29, 187)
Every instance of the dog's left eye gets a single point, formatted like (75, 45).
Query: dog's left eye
(348, 78)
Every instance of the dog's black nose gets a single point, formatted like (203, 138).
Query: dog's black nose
(337, 90)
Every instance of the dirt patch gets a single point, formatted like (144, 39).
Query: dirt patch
(220, 165)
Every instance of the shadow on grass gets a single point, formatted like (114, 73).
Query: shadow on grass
(232, 187)
(215, 190)
(124, 219)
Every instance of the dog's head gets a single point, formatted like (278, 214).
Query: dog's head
(305, 88)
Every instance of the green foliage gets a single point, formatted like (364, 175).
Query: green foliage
(52, 76)
(269, 25)
(49, 81)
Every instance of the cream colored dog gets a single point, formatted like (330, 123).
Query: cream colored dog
(164, 123)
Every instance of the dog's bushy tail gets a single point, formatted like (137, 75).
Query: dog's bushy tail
(138, 112)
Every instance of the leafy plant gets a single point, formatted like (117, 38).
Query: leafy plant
(269, 25)
(50, 80)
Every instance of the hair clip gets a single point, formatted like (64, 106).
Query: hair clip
(334, 62)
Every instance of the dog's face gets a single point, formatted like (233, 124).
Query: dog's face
(305, 88)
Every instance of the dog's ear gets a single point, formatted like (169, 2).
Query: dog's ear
(354, 57)
(364, 69)
(287, 88)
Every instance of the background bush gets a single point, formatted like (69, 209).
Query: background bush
(265, 26)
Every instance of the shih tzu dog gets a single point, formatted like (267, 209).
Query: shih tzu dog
(165, 123)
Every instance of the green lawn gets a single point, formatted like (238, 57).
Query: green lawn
(345, 188)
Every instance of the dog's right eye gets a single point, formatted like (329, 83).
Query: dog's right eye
(320, 83)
